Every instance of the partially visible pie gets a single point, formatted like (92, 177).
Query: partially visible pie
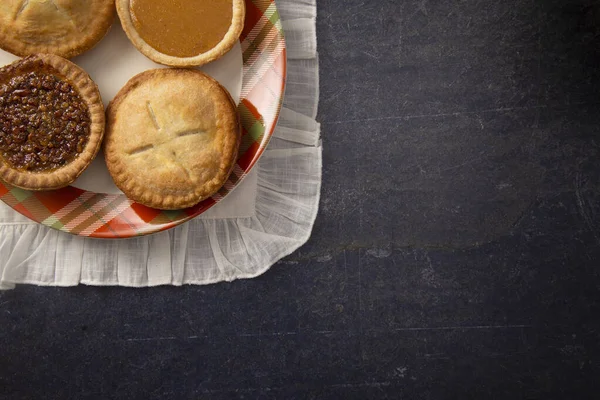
(51, 122)
(172, 138)
(62, 27)
(182, 33)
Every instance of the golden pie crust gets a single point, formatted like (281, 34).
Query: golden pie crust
(62, 27)
(172, 138)
(221, 48)
(90, 101)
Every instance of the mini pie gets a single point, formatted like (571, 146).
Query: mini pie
(51, 122)
(62, 27)
(182, 33)
(172, 138)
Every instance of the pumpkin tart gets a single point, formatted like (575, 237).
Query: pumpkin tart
(182, 33)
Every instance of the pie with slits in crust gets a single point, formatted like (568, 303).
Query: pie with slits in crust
(172, 138)
(182, 33)
(51, 122)
(62, 27)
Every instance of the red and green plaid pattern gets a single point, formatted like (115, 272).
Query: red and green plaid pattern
(114, 216)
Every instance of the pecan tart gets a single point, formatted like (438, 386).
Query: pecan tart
(182, 33)
(172, 138)
(62, 27)
(51, 122)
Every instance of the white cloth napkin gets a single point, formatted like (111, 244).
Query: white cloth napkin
(267, 217)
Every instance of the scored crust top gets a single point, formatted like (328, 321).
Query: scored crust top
(226, 44)
(172, 138)
(62, 27)
(89, 94)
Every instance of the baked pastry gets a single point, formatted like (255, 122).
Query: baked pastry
(182, 33)
(172, 138)
(51, 122)
(62, 27)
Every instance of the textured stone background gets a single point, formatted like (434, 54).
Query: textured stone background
(456, 254)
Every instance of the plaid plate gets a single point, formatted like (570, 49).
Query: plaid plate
(99, 215)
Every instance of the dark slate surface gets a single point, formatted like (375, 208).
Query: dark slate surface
(455, 256)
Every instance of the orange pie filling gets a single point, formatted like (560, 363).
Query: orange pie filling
(182, 28)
